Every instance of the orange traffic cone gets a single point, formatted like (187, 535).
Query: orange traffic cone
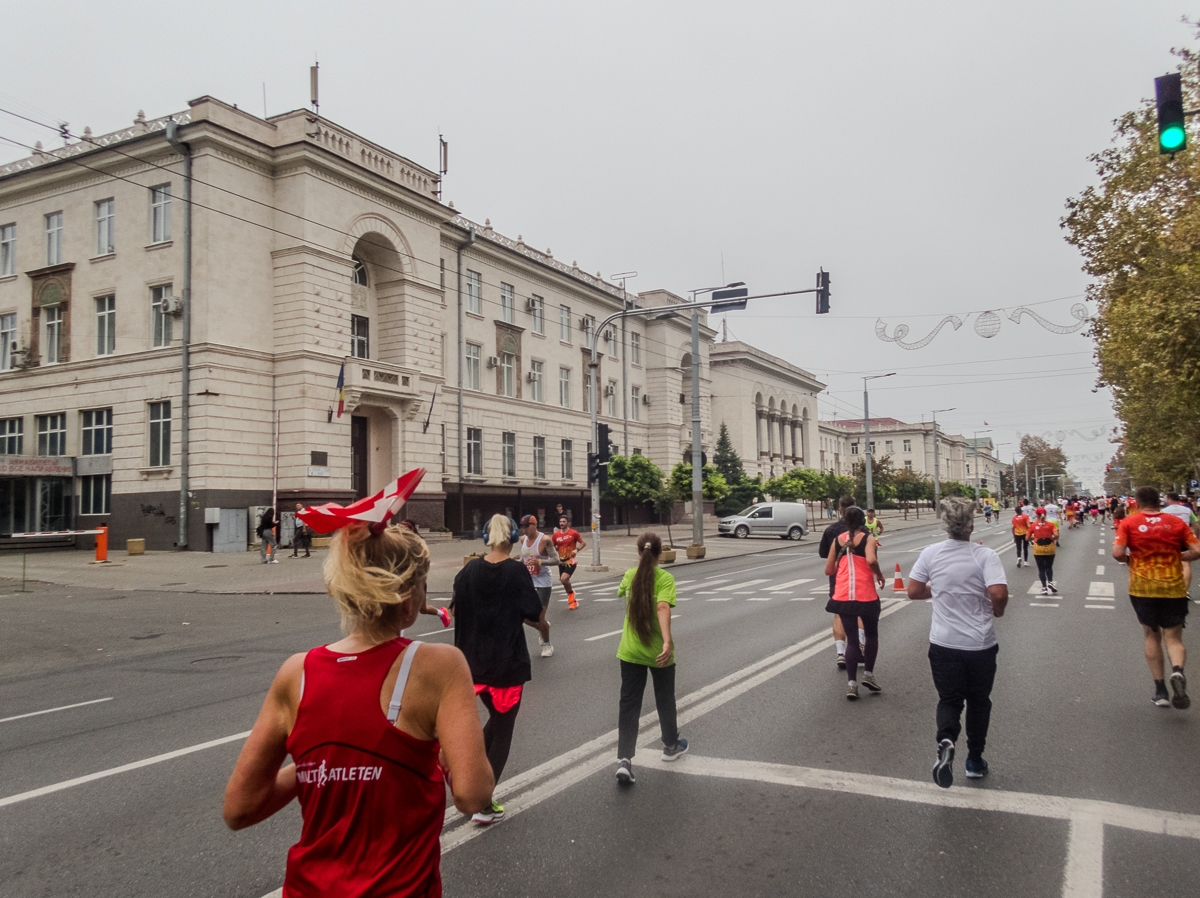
(899, 586)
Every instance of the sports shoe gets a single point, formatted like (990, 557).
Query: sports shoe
(547, 650)
(273, 561)
(625, 772)
(1045, 591)
(1053, 589)
(943, 773)
(977, 768)
(868, 680)
(1018, 562)
(852, 691)
(841, 661)
(571, 603)
(1179, 686)
(1162, 699)
(671, 752)
(492, 815)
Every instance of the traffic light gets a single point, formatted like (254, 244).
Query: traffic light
(593, 467)
(1168, 95)
(822, 292)
(604, 443)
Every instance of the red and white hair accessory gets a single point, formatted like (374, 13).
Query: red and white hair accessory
(376, 510)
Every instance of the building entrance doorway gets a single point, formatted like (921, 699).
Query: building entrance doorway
(359, 435)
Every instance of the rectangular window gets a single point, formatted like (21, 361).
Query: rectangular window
(508, 454)
(54, 227)
(8, 250)
(106, 325)
(507, 300)
(908, 466)
(908, 445)
(508, 374)
(53, 343)
(474, 450)
(635, 403)
(568, 461)
(161, 321)
(95, 494)
(610, 393)
(52, 434)
(564, 387)
(474, 292)
(539, 458)
(160, 213)
(538, 311)
(8, 340)
(96, 430)
(105, 219)
(472, 366)
(854, 448)
(614, 342)
(872, 447)
(537, 379)
(589, 331)
(635, 349)
(160, 434)
(887, 446)
(443, 273)
(12, 436)
(564, 323)
(360, 337)
(587, 392)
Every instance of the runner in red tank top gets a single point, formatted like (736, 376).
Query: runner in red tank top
(367, 720)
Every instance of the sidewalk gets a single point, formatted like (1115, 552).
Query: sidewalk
(244, 574)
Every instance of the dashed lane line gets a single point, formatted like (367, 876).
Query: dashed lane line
(94, 701)
(742, 585)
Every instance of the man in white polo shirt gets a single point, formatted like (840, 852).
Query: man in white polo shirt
(967, 584)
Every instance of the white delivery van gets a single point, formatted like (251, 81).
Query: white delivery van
(787, 520)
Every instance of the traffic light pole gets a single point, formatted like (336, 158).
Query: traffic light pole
(697, 455)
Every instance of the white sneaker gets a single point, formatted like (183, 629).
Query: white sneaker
(547, 650)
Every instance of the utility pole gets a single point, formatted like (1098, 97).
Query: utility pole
(937, 474)
(172, 132)
(870, 498)
(697, 455)
(625, 306)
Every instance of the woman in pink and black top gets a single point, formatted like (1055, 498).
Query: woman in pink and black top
(376, 728)
(855, 597)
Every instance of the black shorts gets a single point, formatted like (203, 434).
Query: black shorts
(1159, 613)
(567, 568)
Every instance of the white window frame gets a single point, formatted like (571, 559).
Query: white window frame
(539, 458)
(887, 447)
(105, 226)
(613, 394)
(160, 213)
(8, 250)
(635, 348)
(508, 375)
(538, 311)
(537, 383)
(8, 337)
(508, 300)
(587, 392)
(474, 282)
(475, 450)
(106, 324)
(564, 323)
(53, 350)
(508, 454)
(159, 415)
(564, 387)
(589, 331)
(95, 431)
(567, 458)
(161, 322)
(854, 448)
(12, 436)
(360, 337)
(635, 403)
(52, 435)
(54, 236)
(471, 364)
(908, 445)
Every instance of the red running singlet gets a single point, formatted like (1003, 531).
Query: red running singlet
(372, 797)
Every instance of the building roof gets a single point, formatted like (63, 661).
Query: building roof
(737, 351)
(852, 424)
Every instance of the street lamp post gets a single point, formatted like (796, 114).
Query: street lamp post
(937, 475)
(975, 444)
(867, 437)
(626, 304)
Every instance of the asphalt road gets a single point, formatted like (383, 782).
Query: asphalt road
(787, 789)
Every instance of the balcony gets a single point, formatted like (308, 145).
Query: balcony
(379, 383)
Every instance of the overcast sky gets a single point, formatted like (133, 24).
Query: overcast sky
(921, 152)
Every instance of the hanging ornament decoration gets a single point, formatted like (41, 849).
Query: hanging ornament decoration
(1060, 435)
(987, 325)
(901, 332)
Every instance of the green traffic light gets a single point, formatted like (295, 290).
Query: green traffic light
(1172, 138)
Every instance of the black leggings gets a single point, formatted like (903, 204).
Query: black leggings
(870, 626)
(1045, 565)
(498, 733)
(1022, 545)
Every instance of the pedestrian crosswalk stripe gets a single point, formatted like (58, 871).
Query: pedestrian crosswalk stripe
(721, 599)
(1109, 607)
(1100, 588)
(801, 599)
(759, 599)
(1100, 599)
(1043, 604)
(782, 586)
(742, 585)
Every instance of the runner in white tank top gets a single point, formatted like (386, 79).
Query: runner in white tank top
(536, 549)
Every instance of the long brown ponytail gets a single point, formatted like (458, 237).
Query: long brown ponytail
(641, 591)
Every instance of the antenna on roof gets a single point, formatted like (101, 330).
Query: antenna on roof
(443, 161)
(314, 98)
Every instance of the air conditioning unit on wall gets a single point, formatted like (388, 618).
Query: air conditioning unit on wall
(492, 361)
(531, 377)
(172, 305)
(531, 304)
(646, 399)
(610, 390)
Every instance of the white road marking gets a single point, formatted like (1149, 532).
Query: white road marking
(759, 599)
(720, 599)
(1004, 549)
(1100, 588)
(1109, 607)
(1099, 570)
(52, 710)
(613, 599)
(1043, 604)
(1100, 599)
(714, 582)
(1099, 551)
(742, 585)
(780, 587)
(1084, 876)
(113, 771)
(603, 635)
(802, 599)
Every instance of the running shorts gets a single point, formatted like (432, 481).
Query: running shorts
(567, 568)
(543, 594)
(1159, 613)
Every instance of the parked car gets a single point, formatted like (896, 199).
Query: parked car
(787, 520)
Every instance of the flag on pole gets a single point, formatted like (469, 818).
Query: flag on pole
(341, 390)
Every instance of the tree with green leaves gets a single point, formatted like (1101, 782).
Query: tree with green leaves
(663, 502)
(741, 496)
(1138, 230)
(1042, 459)
(713, 484)
(726, 460)
(632, 479)
(912, 487)
(883, 477)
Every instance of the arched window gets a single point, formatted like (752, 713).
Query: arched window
(360, 272)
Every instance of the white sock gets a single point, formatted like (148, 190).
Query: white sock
(840, 645)
(862, 637)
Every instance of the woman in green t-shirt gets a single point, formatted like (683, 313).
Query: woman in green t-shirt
(646, 645)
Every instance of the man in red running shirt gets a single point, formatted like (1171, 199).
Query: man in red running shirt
(1156, 546)
(568, 542)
